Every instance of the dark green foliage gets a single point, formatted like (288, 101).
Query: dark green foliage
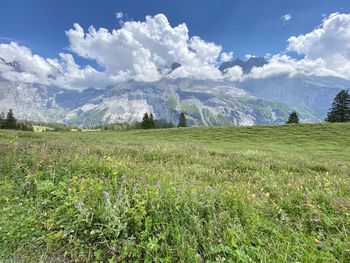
(293, 118)
(2, 119)
(10, 121)
(158, 124)
(340, 109)
(147, 121)
(25, 126)
(182, 120)
(162, 124)
(115, 127)
(151, 121)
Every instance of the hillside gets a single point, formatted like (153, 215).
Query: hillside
(208, 194)
(205, 102)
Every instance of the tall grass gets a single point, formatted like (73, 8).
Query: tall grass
(248, 194)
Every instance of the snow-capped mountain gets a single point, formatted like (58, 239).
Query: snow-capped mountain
(205, 102)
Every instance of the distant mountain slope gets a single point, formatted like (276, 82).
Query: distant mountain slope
(310, 93)
(253, 101)
(205, 103)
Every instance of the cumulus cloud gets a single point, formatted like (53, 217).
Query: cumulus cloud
(146, 50)
(75, 76)
(286, 17)
(119, 15)
(325, 51)
(234, 74)
(225, 57)
(19, 64)
(329, 42)
(141, 50)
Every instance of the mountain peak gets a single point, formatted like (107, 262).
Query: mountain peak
(245, 65)
(16, 65)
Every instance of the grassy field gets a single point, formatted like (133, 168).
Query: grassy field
(245, 194)
(37, 128)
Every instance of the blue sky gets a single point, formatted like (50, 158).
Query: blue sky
(244, 27)
(52, 42)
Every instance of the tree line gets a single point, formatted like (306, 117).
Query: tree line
(338, 112)
(10, 122)
(148, 122)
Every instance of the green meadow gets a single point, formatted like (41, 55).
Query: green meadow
(206, 194)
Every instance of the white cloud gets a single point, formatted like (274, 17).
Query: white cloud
(326, 51)
(140, 50)
(77, 77)
(119, 15)
(28, 67)
(268, 56)
(19, 64)
(144, 51)
(286, 17)
(234, 74)
(329, 42)
(226, 57)
(248, 56)
(285, 65)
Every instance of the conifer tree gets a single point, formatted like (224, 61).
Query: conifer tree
(10, 121)
(182, 120)
(293, 118)
(340, 109)
(2, 120)
(151, 123)
(145, 121)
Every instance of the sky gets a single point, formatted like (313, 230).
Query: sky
(202, 34)
(244, 26)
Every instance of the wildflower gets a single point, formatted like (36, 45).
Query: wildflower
(318, 243)
(113, 250)
(158, 183)
(79, 205)
(267, 194)
(123, 177)
(105, 194)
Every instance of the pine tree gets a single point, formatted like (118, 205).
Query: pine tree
(293, 118)
(340, 109)
(2, 120)
(145, 121)
(182, 120)
(10, 121)
(151, 122)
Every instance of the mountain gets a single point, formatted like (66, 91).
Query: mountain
(302, 93)
(17, 66)
(245, 65)
(205, 103)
